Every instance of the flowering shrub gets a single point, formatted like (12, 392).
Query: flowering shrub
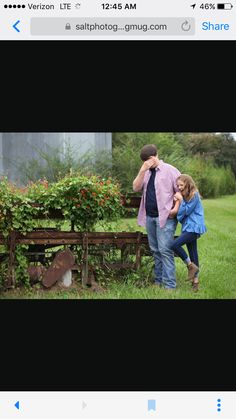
(16, 210)
(81, 199)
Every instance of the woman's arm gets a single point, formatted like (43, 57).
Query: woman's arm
(175, 209)
(186, 207)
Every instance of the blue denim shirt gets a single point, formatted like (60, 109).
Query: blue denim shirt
(191, 215)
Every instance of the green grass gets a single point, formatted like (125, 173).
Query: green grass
(217, 257)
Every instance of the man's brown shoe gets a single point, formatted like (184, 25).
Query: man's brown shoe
(192, 270)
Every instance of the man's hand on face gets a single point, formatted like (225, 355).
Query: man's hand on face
(148, 164)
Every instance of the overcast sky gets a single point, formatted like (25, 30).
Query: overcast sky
(233, 133)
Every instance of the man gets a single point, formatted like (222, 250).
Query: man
(157, 180)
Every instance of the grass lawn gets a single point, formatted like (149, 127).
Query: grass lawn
(217, 257)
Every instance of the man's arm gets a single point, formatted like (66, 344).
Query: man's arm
(138, 181)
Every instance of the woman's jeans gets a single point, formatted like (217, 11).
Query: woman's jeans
(190, 239)
(160, 241)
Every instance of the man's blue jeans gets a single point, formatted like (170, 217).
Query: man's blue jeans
(160, 241)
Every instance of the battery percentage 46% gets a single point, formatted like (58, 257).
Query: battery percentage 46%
(208, 6)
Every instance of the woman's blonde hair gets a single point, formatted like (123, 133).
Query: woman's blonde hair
(189, 185)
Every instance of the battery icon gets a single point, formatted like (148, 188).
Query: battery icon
(224, 6)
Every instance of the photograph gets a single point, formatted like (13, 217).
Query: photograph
(117, 215)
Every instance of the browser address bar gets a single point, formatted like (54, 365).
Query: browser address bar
(105, 26)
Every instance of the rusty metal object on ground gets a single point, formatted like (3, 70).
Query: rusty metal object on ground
(63, 261)
(36, 272)
(132, 246)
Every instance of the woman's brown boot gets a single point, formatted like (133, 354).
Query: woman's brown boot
(195, 284)
(192, 270)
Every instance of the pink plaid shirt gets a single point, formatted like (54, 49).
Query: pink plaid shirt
(165, 185)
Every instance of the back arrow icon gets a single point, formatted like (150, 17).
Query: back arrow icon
(15, 26)
(17, 405)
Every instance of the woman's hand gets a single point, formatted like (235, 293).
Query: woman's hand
(178, 196)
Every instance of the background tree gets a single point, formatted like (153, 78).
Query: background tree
(210, 158)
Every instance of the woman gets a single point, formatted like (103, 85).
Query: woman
(191, 216)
